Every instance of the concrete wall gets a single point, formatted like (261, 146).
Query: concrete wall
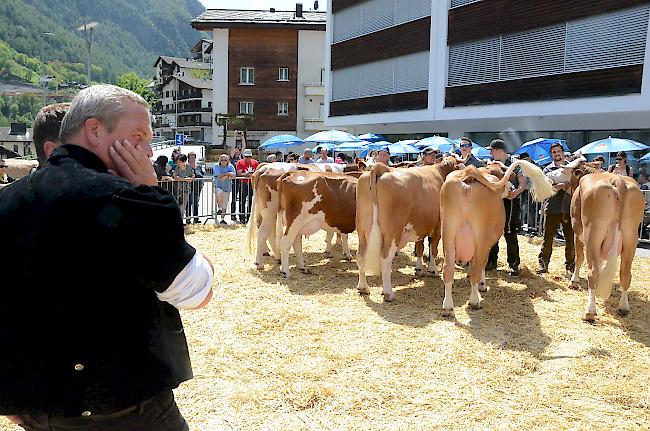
(311, 59)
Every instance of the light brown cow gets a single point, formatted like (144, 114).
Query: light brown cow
(396, 206)
(473, 217)
(310, 201)
(606, 210)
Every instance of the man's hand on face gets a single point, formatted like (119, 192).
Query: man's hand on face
(132, 163)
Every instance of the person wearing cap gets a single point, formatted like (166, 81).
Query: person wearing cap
(4, 178)
(383, 156)
(323, 157)
(466, 152)
(245, 169)
(512, 206)
(279, 157)
(306, 157)
(429, 156)
(557, 212)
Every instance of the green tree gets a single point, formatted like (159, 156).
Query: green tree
(131, 81)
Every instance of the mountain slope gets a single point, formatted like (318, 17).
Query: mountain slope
(129, 37)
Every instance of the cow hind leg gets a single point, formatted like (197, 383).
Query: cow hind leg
(579, 250)
(346, 247)
(593, 276)
(482, 285)
(386, 266)
(328, 243)
(476, 270)
(362, 285)
(297, 248)
(419, 251)
(285, 248)
(433, 252)
(625, 274)
(448, 275)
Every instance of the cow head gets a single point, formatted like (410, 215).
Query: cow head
(566, 172)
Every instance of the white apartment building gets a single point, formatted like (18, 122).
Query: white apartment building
(270, 64)
(489, 68)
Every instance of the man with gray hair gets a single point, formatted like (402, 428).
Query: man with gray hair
(100, 259)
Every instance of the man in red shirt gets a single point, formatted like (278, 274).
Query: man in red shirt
(245, 168)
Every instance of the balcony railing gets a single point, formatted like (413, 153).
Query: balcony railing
(186, 96)
(314, 89)
(313, 124)
(195, 123)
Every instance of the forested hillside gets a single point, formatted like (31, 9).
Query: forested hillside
(129, 37)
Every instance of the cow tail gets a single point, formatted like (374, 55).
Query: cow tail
(606, 279)
(279, 220)
(251, 231)
(372, 258)
(542, 187)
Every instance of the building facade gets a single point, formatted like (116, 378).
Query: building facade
(486, 68)
(269, 64)
(185, 90)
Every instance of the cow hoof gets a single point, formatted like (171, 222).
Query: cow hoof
(448, 312)
(285, 274)
(574, 285)
(419, 272)
(278, 261)
(305, 270)
(328, 254)
(363, 291)
(266, 253)
(623, 312)
(482, 287)
(259, 267)
(347, 258)
(432, 273)
(476, 306)
(590, 317)
(389, 297)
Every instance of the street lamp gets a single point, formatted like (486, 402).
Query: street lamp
(89, 40)
(44, 81)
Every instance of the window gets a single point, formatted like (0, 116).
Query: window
(209, 104)
(246, 76)
(246, 107)
(283, 108)
(167, 93)
(322, 77)
(283, 74)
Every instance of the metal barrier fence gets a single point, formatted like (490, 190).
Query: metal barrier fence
(198, 200)
(532, 217)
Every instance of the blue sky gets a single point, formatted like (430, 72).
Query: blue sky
(262, 4)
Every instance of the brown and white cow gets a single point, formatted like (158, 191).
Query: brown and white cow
(262, 223)
(396, 206)
(606, 210)
(473, 217)
(310, 201)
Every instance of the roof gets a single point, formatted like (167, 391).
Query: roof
(196, 82)
(182, 62)
(6, 137)
(199, 45)
(227, 18)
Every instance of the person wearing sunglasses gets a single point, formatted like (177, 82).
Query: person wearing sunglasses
(621, 167)
(466, 151)
(4, 178)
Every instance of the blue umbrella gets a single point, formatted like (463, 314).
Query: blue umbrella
(612, 145)
(332, 136)
(539, 149)
(281, 141)
(645, 159)
(377, 145)
(371, 137)
(352, 146)
(402, 147)
(481, 152)
(445, 145)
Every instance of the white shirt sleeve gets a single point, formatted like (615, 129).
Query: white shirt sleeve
(191, 286)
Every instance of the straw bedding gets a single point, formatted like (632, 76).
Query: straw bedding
(309, 353)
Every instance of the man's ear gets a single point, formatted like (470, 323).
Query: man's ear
(48, 147)
(93, 131)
